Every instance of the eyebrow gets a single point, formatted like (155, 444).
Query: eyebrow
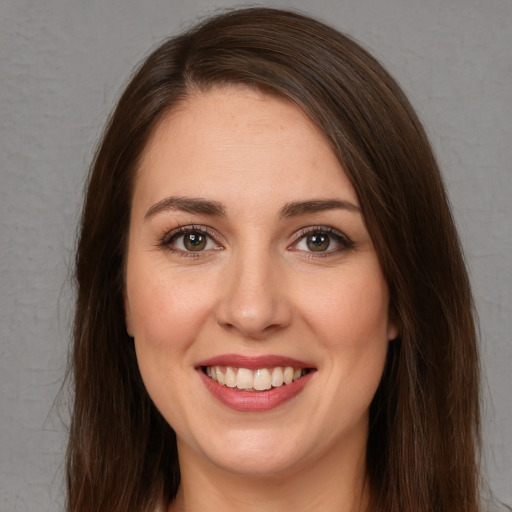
(215, 209)
(189, 205)
(303, 207)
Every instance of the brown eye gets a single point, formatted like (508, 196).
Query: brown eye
(189, 240)
(322, 240)
(318, 242)
(194, 241)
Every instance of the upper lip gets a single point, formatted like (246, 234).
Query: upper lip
(253, 362)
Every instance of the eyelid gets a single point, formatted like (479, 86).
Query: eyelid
(168, 237)
(189, 228)
(339, 236)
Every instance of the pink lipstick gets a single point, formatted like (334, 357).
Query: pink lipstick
(254, 384)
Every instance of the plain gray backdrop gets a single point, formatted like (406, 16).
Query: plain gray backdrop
(62, 66)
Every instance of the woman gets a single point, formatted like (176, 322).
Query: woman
(273, 310)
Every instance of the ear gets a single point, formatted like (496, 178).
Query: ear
(392, 330)
(393, 327)
(128, 315)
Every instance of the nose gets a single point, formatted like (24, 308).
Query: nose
(254, 301)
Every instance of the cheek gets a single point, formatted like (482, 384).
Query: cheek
(165, 311)
(166, 315)
(350, 318)
(349, 311)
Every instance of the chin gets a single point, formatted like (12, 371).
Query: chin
(253, 453)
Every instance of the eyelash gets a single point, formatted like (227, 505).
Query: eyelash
(334, 235)
(170, 237)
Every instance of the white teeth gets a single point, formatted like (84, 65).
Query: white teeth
(230, 377)
(262, 380)
(277, 377)
(220, 376)
(244, 379)
(254, 380)
(288, 375)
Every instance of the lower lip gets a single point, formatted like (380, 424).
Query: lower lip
(254, 401)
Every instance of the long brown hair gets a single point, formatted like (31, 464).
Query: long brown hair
(422, 453)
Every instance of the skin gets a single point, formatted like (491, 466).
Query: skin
(257, 288)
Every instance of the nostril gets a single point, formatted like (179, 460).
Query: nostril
(252, 305)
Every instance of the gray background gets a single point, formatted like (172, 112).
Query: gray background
(63, 63)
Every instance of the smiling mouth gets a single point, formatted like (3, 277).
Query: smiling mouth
(262, 379)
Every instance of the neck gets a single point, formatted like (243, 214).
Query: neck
(336, 482)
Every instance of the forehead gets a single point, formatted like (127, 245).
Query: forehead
(235, 140)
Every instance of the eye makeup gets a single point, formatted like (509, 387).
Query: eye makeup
(321, 241)
(313, 241)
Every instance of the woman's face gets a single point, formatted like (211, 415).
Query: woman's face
(254, 294)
